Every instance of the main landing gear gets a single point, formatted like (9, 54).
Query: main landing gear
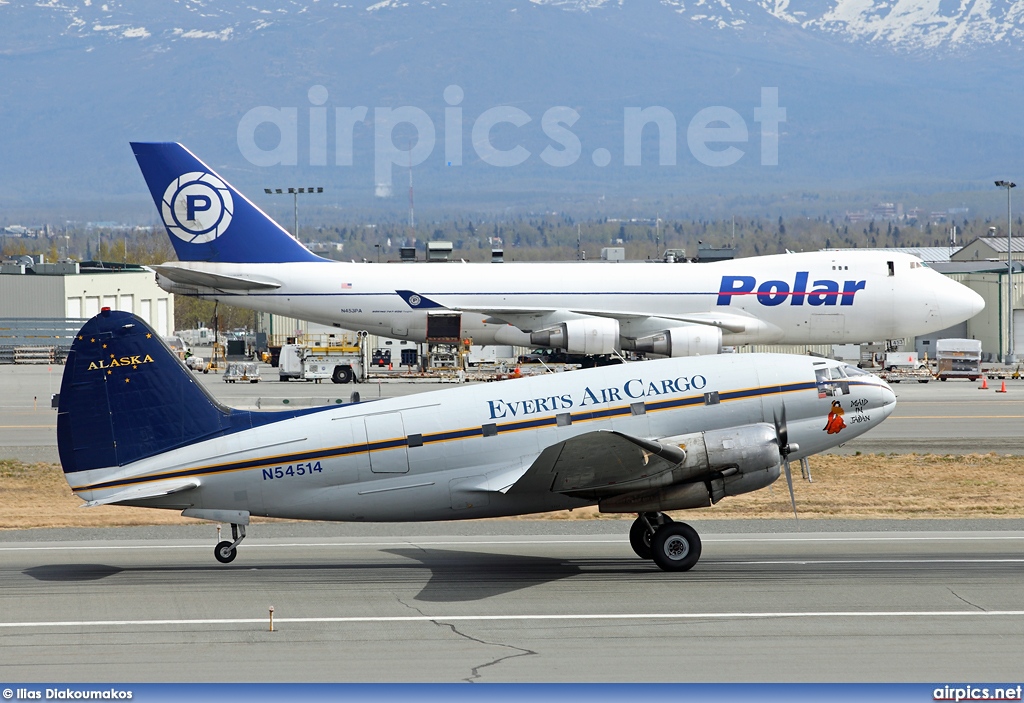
(674, 546)
(225, 552)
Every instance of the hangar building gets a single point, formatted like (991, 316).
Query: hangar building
(44, 304)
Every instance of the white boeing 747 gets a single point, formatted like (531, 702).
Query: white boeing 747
(230, 251)
(135, 427)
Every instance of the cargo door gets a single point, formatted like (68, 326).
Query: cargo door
(387, 443)
(444, 328)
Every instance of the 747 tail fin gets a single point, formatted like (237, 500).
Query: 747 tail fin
(206, 218)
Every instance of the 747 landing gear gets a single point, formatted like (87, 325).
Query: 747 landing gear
(674, 546)
(225, 552)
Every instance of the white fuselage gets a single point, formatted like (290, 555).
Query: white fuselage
(453, 454)
(808, 298)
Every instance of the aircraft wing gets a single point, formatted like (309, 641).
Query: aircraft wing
(601, 463)
(219, 281)
(533, 319)
(729, 322)
(163, 488)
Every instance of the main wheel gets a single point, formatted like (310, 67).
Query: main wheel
(342, 374)
(225, 553)
(675, 547)
(640, 538)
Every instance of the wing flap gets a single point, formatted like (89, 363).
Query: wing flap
(534, 318)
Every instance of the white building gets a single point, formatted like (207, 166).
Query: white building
(73, 290)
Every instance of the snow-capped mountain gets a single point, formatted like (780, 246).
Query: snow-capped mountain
(902, 25)
(872, 93)
(909, 25)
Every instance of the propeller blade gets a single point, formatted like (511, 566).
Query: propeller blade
(789, 481)
(782, 433)
(785, 449)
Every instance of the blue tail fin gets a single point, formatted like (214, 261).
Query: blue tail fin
(207, 219)
(125, 396)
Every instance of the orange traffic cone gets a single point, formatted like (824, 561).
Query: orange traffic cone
(984, 384)
(1003, 389)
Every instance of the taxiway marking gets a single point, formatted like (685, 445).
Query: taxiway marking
(519, 618)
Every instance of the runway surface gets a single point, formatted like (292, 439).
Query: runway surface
(515, 601)
(947, 418)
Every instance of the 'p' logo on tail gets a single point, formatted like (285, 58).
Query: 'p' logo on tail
(206, 218)
(197, 207)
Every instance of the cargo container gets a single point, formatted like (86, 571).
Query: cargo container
(958, 358)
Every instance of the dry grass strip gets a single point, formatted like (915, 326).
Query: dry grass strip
(863, 486)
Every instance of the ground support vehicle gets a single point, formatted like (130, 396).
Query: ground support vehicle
(959, 358)
(242, 371)
(340, 364)
(921, 375)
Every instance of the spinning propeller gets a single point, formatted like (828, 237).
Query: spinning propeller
(785, 448)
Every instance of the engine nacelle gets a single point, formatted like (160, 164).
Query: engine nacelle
(740, 460)
(691, 340)
(592, 335)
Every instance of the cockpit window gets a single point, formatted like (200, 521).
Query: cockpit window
(854, 371)
(831, 382)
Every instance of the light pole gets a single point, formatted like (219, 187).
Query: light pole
(294, 192)
(1009, 269)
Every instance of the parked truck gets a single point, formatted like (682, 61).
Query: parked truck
(340, 364)
(958, 358)
(901, 361)
(904, 366)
